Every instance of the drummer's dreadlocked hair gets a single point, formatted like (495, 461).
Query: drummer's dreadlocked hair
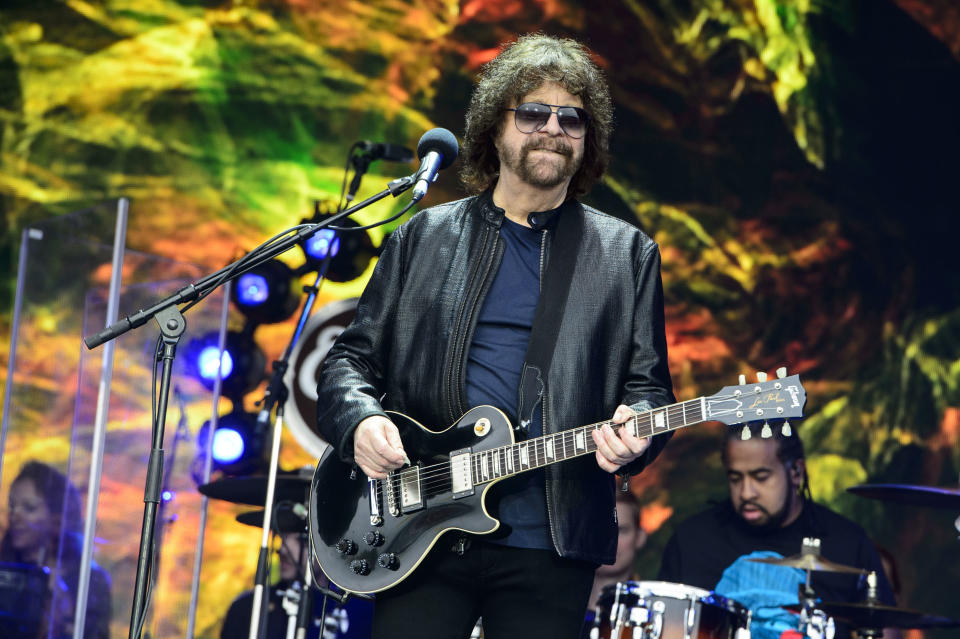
(789, 450)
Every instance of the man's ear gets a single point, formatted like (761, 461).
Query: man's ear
(798, 470)
(641, 539)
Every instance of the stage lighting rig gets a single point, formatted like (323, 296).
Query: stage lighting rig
(239, 444)
(242, 364)
(268, 293)
(350, 251)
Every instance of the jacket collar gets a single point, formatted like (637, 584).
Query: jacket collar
(538, 220)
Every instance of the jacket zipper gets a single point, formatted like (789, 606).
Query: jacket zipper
(472, 305)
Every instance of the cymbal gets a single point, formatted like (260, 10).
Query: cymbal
(287, 520)
(875, 615)
(252, 491)
(809, 562)
(930, 496)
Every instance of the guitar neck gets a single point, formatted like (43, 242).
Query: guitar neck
(496, 463)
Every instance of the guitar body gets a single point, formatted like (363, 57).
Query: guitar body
(340, 503)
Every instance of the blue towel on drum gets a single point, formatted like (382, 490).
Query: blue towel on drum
(763, 588)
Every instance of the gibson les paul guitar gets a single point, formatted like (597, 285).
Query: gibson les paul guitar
(370, 534)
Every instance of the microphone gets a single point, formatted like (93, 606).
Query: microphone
(437, 150)
(385, 151)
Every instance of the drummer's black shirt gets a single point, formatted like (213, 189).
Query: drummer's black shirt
(705, 545)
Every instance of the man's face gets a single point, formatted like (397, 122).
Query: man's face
(630, 539)
(289, 554)
(762, 489)
(545, 158)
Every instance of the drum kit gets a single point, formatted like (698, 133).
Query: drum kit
(663, 610)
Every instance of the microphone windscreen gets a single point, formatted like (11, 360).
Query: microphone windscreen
(442, 141)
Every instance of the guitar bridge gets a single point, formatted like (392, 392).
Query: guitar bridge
(373, 499)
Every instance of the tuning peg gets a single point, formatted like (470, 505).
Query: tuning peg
(761, 376)
(782, 372)
(766, 432)
(743, 380)
(785, 430)
(745, 433)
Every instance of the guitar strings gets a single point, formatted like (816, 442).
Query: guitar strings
(436, 475)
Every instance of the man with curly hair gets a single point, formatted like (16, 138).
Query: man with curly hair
(523, 298)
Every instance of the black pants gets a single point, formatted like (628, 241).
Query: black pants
(520, 594)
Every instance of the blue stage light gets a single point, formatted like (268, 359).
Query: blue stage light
(207, 362)
(268, 293)
(228, 445)
(252, 289)
(323, 242)
(239, 443)
(241, 367)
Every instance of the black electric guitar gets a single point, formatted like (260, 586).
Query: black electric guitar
(370, 534)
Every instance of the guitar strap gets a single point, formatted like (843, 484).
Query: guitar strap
(555, 287)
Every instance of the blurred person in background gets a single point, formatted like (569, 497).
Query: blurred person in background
(44, 536)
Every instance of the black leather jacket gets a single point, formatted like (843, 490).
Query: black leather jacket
(408, 347)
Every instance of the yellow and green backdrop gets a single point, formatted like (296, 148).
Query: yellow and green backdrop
(795, 159)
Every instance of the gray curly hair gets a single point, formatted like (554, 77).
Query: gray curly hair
(520, 68)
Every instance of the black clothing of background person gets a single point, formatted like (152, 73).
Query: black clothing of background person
(705, 545)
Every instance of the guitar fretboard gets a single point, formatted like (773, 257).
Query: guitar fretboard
(504, 461)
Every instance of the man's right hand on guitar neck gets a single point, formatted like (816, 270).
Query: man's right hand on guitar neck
(377, 448)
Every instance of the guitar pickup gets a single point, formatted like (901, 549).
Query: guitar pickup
(461, 481)
(411, 498)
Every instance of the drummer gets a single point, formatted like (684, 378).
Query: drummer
(350, 620)
(631, 537)
(769, 513)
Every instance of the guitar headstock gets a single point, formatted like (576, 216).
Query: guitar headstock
(782, 398)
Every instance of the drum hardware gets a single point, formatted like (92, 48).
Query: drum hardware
(814, 623)
(286, 520)
(930, 496)
(663, 610)
(809, 559)
(867, 615)
(252, 491)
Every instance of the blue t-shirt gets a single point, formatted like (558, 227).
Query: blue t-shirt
(494, 364)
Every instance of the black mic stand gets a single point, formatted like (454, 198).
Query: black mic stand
(361, 163)
(172, 326)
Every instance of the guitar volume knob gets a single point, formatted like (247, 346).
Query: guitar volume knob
(360, 566)
(388, 560)
(373, 538)
(346, 547)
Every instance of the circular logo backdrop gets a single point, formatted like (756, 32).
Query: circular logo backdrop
(300, 411)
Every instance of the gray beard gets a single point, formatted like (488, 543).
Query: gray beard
(527, 171)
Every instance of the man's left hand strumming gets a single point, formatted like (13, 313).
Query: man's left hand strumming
(618, 449)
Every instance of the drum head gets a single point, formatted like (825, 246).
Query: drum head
(643, 589)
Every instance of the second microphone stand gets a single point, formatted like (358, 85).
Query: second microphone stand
(277, 393)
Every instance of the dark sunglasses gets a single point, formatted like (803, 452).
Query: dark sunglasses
(533, 116)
